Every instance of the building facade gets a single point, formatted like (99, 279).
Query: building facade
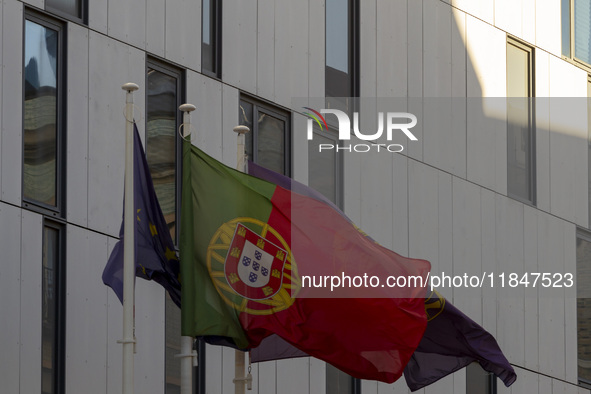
(498, 184)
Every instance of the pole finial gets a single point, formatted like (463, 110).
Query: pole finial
(187, 107)
(241, 129)
(130, 87)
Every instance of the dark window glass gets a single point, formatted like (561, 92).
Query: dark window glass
(341, 35)
(51, 352)
(268, 143)
(520, 139)
(584, 308)
(338, 382)
(43, 131)
(211, 37)
(271, 142)
(161, 127)
(565, 15)
(70, 7)
(324, 167)
(173, 347)
(337, 35)
(478, 381)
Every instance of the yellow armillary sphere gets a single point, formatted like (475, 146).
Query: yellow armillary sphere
(252, 267)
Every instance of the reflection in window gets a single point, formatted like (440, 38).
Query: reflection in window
(210, 37)
(50, 348)
(40, 182)
(520, 138)
(584, 307)
(268, 142)
(161, 126)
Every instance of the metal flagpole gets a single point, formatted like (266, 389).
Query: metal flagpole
(239, 378)
(188, 356)
(128, 340)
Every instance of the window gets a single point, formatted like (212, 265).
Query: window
(325, 175)
(163, 119)
(269, 142)
(584, 307)
(589, 144)
(53, 308)
(478, 381)
(71, 9)
(342, 57)
(576, 30)
(325, 168)
(520, 135)
(211, 33)
(44, 115)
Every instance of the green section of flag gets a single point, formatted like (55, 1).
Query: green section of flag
(213, 194)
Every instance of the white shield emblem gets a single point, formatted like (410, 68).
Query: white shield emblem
(254, 266)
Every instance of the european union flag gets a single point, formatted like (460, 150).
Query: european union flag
(155, 255)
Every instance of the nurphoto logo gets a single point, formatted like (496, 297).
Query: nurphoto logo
(395, 121)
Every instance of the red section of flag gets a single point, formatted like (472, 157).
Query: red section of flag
(369, 338)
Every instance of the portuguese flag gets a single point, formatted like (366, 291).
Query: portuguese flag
(258, 259)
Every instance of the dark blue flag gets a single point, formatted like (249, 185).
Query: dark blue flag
(155, 254)
(451, 341)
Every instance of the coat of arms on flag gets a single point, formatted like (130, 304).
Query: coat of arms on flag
(254, 265)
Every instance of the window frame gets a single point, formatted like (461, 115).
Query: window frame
(353, 38)
(180, 75)
(59, 359)
(572, 58)
(531, 120)
(159, 65)
(83, 19)
(59, 210)
(260, 105)
(585, 235)
(214, 17)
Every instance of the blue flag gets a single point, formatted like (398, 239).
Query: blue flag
(155, 255)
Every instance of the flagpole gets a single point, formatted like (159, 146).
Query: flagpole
(187, 355)
(128, 340)
(240, 378)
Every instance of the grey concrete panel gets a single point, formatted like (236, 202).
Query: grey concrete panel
(240, 44)
(265, 78)
(12, 102)
(183, 33)
(127, 21)
(86, 310)
(155, 22)
(77, 123)
(30, 305)
(111, 65)
(10, 324)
